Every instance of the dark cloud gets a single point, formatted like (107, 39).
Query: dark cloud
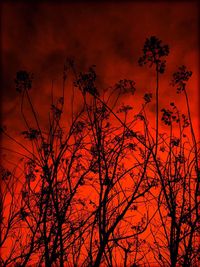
(38, 37)
(10, 62)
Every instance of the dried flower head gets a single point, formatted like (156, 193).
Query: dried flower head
(124, 109)
(166, 116)
(23, 80)
(175, 141)
(180, 78)
(147, 97)
(86, 82)
(126, 86)
(31, 134)
(153, 51)
(185, 121)
(169, 116)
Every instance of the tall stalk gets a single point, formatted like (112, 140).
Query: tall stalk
(157, 106)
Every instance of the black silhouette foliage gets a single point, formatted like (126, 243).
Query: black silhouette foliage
(180, 78)
(23, 81)
(147, 97)
(86, 82)
(153, 51)
(125, 86)
(111, 154)
(31, 134)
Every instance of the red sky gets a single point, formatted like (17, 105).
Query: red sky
(38, 38)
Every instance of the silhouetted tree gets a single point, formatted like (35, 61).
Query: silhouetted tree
(119, 178)
(153, 52)
(98, 187)
(178, 200)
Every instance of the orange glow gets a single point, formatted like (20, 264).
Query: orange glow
(38, 38)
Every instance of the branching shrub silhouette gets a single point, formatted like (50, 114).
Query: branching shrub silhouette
(104, 189)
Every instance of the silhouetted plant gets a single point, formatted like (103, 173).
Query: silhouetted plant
(153, 53)
(180, 78)
(179, 188)
(147, 97)
(92, 191)
(23, 81)
(125, 86)
(86, 81)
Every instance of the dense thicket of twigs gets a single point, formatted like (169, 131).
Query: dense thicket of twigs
(105, 186)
